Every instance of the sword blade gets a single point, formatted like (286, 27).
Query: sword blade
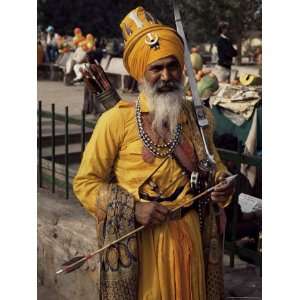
(198, 104)
(202, 121)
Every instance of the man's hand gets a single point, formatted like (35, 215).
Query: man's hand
(223, 190)
(150, 213)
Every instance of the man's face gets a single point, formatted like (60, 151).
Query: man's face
(164, 74)
(225, 30)
(163, 87)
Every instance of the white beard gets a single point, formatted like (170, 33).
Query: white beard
(164, 107)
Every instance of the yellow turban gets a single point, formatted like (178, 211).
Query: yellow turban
(147, 40)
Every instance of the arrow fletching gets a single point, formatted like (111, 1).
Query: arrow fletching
(72, 264)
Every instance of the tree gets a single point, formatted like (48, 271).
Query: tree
(200, 17)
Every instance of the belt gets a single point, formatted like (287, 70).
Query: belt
(145, 196)
(179, 213)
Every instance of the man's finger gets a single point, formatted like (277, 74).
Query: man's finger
(219, 198)
(223, 187)
(159, 217)
(220, 194)
(162, 209)
(222, 176)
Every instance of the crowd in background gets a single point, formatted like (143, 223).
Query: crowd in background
(51, 44)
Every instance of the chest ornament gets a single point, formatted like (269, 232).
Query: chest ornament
(158, 150)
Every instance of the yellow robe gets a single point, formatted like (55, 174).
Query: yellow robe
(171, 262)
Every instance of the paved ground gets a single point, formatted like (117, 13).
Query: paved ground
(57, 92)
(242, 281)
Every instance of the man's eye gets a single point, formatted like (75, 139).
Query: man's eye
(173, 66)
(156, 69)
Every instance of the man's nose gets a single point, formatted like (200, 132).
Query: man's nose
(165, 74)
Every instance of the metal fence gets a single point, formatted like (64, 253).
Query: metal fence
(63, 171)
(230, 245)
(51, 162)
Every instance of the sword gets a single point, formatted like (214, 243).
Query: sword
(198, 105)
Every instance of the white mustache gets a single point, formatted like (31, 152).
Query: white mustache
(166, 86)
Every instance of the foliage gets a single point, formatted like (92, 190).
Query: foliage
(102, 17)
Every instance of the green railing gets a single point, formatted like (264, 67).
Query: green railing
(231, 246)
(42, 164)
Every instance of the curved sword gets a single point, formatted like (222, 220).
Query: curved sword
(198, 105)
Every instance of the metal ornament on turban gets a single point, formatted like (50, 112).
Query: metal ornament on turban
(147, 40)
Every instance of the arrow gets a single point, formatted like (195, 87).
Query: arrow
(77, 261)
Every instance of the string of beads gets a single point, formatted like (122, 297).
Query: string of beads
(158, 150)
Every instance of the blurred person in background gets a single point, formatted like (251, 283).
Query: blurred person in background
(87, 45)
(51, 46)
(226, 52)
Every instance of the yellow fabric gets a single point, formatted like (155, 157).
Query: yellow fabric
(171, 261)
(77, 39)
(171, 258)
(137, 53)
(88, 45)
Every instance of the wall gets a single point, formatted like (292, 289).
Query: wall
(65, 230)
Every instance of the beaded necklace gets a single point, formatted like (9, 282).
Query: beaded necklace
(158, 150)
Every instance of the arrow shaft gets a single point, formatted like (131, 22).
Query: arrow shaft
(230, 178)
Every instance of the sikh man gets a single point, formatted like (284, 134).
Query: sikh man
(135, 171)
